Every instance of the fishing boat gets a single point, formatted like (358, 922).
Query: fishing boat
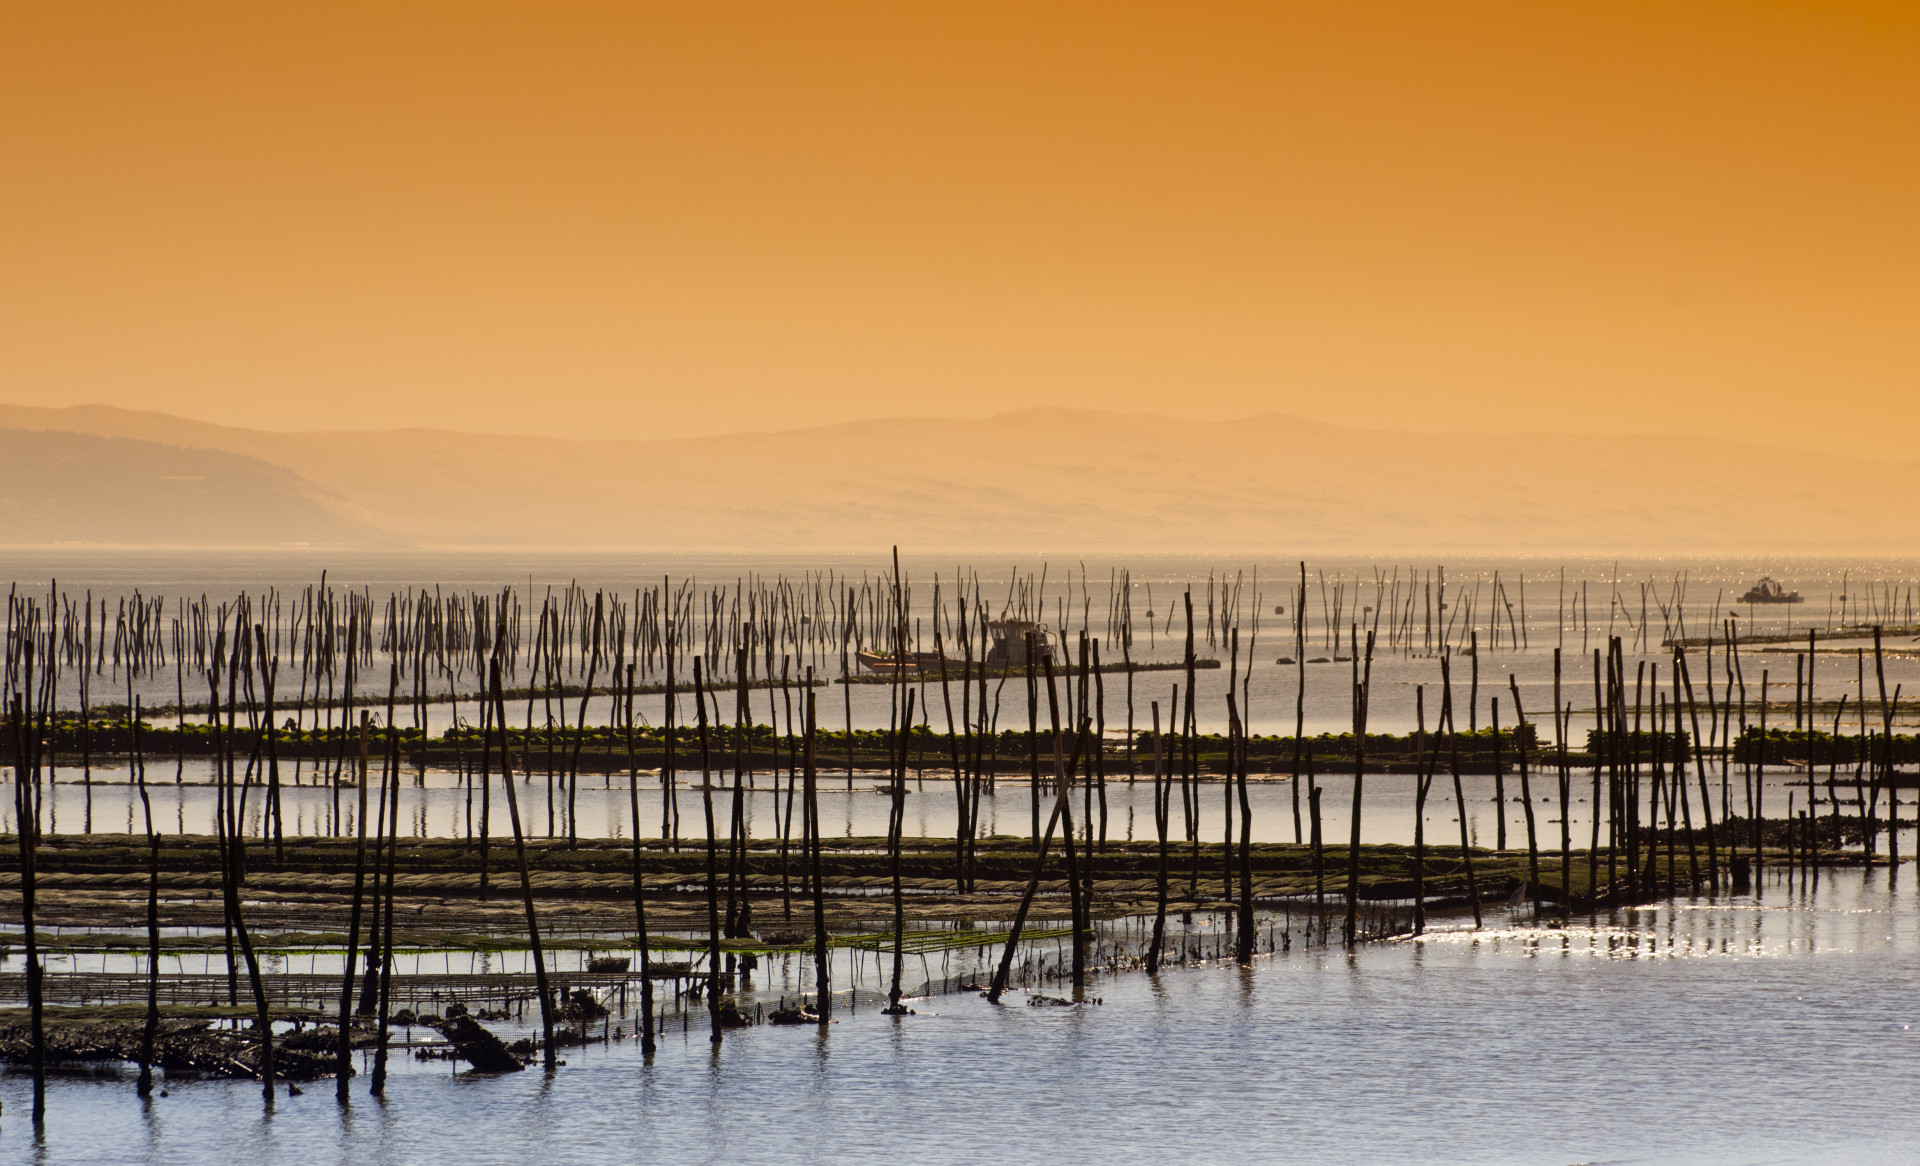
(1767, 591)
(1008, 650)
(1010, 640)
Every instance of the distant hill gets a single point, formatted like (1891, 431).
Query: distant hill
(79, 488)
(1042, 480)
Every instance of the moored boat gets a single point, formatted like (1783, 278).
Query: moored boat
(1768, 591)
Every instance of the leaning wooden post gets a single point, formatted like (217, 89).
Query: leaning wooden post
(526, 879)
(1063, 779)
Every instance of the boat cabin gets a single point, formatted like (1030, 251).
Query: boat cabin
(1010, 639)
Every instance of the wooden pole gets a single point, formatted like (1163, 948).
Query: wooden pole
(822, 966)
(390, 788)
(1422, 779)
(1075, 904)
(26, 832)
(1881, 769)
(669, 787)
(1526, 792)
(897, 822)
(1459, 796)
(526, 877)
(1160, 791)
(1300, 692)
(1244, 949)
(152, 1027)
(713, 858)
(639, 884)
(1700, 769)
(343, 1066)
(1361, 685)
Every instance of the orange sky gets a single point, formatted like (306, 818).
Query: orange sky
(635, 220)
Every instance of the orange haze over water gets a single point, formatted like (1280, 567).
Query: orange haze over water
(643, 220)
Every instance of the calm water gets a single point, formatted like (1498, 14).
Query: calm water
(442, 807)
(1745, 1031)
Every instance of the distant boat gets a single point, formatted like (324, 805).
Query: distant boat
(1008, 650)
(1767, 591)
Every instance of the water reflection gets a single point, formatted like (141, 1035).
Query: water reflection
(1507, 1044)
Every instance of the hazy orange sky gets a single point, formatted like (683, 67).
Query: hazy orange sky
(635, 220)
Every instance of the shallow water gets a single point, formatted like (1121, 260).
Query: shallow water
(1777, 1030)
(441, 808)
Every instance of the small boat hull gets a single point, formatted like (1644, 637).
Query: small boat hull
(911, 664)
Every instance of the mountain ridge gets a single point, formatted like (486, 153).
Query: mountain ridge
(1052, 478)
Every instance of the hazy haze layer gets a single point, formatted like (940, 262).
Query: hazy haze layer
(1039, 480)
